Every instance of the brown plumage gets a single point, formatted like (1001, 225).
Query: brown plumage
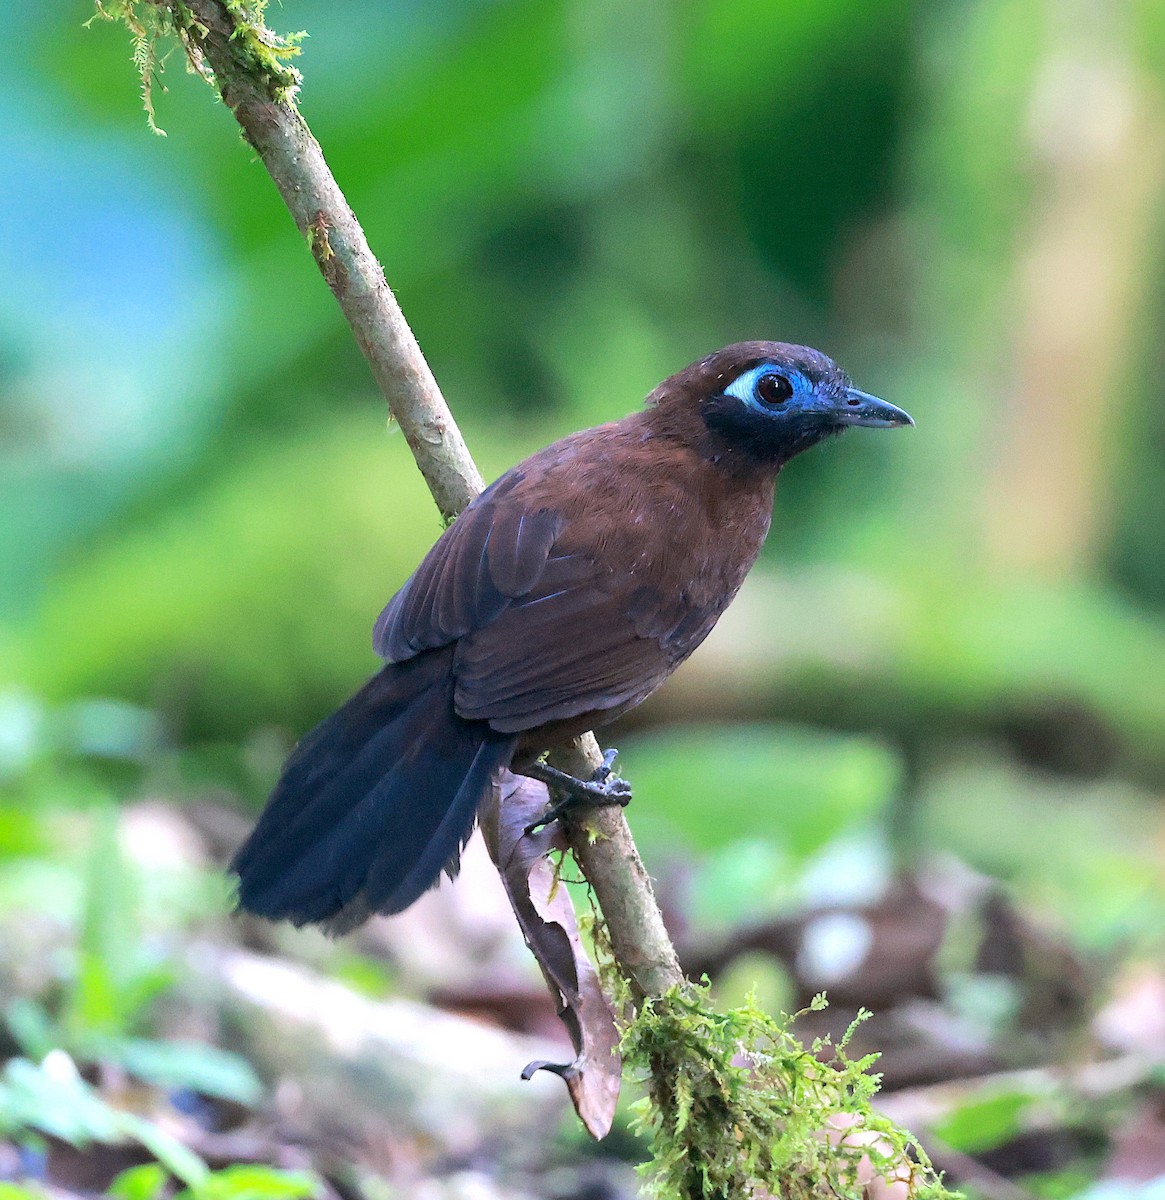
(562, 596)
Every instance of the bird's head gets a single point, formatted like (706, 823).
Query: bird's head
(767, 401)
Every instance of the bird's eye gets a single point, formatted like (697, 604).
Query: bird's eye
(773, 390)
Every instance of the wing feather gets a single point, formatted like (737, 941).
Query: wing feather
(561, 652)
(492, 554)
(552, 617)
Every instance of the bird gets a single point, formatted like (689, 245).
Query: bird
(563, 595)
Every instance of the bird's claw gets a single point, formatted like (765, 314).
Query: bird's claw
(603, 773)
(602, 789)
(605, 791)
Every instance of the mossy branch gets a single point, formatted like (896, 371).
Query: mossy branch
(227, 43)
(737, 1106)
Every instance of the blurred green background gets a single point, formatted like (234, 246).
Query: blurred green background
(955, 640)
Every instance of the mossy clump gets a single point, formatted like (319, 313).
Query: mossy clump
(737, 1107)
(260, 51)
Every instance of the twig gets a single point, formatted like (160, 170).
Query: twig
(295, 162)
(601, 842)
(601, 839)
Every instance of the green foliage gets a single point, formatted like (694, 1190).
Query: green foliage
(984, 1122)
(113, 982)
(196, 1066)
(736, 1105)
(810, 785)
(1075, 1183)
(109, 989)
(147, 1182)
(99, 994)
(247, 1182)
(244, 1182)
(108, 985)
(113, 974)
(52, 1099)
(10, 1191)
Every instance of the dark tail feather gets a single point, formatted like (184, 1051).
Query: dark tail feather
(373, 803)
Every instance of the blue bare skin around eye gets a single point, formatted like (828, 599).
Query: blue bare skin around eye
(743, 387)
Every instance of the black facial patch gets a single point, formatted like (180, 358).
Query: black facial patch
(768, 437)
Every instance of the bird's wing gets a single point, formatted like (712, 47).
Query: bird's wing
(585, 639)
(492, 554)
(547, 626)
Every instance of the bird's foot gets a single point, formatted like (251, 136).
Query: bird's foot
(603, 788)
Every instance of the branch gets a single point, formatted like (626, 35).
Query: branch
(217, 37)
(293, 158)
(601, 842)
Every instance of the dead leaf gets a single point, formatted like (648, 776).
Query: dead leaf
(547, 919)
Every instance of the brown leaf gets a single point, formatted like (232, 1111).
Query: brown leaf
(547, 919)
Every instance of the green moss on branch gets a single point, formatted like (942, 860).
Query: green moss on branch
(265, 54)
(737, 1107)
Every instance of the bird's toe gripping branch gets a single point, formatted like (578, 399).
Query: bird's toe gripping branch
(603, 788)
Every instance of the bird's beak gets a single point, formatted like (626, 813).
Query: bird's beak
(860, 408)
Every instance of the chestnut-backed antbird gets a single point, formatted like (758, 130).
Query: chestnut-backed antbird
(562, 596)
